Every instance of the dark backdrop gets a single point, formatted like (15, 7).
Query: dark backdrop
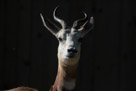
(28, 52)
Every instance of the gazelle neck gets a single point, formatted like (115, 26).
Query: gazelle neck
(66, 77)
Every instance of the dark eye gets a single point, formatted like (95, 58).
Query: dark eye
(80, 39)
(60, 39)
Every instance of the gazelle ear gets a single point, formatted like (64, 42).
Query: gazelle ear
(50, 26)
(87, 26)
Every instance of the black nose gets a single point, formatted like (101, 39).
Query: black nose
(72, 50)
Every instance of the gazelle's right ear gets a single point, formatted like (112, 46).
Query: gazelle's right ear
(50, 26)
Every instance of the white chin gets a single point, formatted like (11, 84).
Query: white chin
(70, 56)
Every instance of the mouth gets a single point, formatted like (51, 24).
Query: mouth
(71, 55)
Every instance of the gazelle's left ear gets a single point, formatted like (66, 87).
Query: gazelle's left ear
(87, 26)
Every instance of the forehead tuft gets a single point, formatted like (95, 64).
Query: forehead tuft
(71, 31)
(67, 30)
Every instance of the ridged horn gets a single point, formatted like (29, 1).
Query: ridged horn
(83, 21)
(62, 22)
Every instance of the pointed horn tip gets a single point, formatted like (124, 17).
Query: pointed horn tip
(84, 14)
(42, 17)
(56, 8)
(41, 14)
(54, 12)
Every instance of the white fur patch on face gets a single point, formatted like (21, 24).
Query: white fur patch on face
(69, 39)
(69, 85)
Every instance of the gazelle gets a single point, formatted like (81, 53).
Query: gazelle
(68, 51)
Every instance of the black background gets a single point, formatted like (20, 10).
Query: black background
(28, 51)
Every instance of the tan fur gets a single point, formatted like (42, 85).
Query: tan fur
(65, 73)
(23, 89)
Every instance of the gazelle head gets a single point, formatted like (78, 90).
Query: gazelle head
(69, 38)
